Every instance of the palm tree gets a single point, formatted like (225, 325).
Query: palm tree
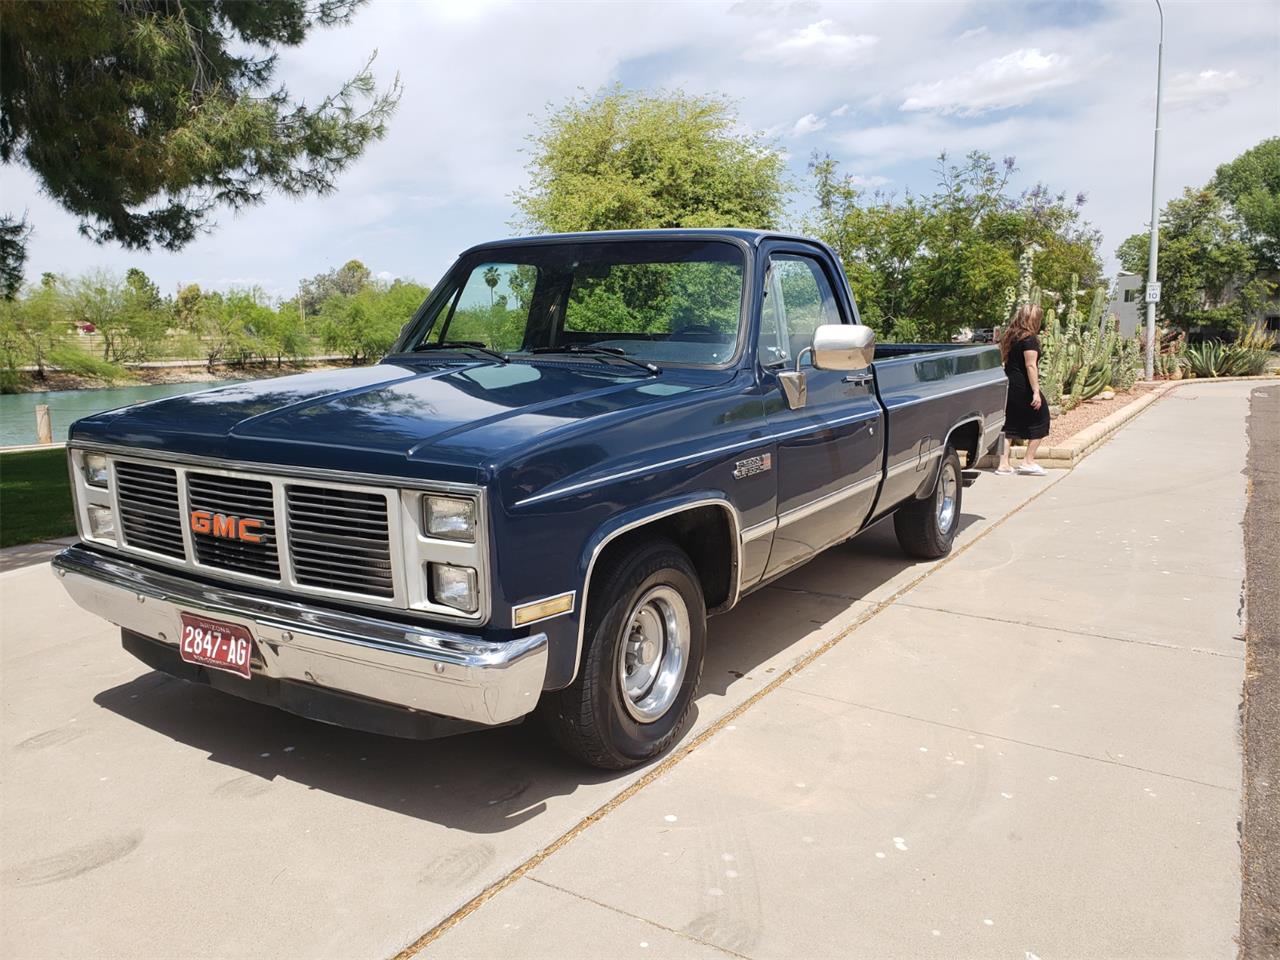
(491, 278)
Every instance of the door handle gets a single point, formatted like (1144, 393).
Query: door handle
(860, 379)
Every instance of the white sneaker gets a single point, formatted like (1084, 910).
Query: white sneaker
(1004, 471)
(1035, 470)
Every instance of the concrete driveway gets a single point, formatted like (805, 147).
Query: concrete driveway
(1031, 748)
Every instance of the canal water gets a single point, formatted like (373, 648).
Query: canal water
(18, 410)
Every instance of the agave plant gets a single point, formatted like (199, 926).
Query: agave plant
(1246, 356)
(1205, 359)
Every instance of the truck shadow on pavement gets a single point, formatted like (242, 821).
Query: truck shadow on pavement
(494, 780)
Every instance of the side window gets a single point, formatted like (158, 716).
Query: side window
(493, 306)
(804, 301)
(773, 342)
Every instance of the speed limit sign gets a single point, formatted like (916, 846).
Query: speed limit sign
(1153, 291)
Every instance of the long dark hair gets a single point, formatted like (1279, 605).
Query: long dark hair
(1026, 323)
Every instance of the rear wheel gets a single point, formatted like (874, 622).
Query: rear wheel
(645, 639)
(926, 528)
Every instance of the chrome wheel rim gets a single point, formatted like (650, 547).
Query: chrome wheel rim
(655, 653)
(948, 484)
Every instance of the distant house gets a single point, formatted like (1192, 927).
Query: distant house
(1129, 307)
(1127, 303)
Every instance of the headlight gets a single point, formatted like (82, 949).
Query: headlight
(451, 518)
(95, 469)
(102, 523)
(454, 587)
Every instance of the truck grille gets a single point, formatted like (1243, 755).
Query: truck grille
(340, 540)
(357, 538)
(236, 498)
(150, 518)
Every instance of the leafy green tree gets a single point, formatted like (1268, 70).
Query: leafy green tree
(145, 317)
(144, 118)
(35, 323)
(188, 309)
(14, 232)
(1208, 271)
(233, 323)
(624, 160)
(925, 265)
(346, 281)
(98, 298)
(280, 335)
(365, 324)
(1251, 184)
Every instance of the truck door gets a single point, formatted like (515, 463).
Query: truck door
(829, 451)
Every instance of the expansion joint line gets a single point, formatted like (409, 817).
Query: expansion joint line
(663, 767)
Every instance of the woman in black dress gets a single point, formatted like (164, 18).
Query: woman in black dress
(1026, 414)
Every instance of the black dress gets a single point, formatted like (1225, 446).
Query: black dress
(1021, 421)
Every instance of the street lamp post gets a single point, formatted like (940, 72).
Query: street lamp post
(1153, 285)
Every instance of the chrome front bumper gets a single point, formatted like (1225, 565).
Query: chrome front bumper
(415, 668)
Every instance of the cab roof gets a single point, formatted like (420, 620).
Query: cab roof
(751, 238)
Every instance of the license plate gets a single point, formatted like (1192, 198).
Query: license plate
(212, 643)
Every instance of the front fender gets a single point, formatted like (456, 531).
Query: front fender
(566, 652)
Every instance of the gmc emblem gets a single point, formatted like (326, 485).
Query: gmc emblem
(226, 527)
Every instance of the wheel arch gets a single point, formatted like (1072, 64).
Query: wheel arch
(706, 526)
(968, 430)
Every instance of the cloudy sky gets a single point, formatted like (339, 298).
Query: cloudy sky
(1066, 87)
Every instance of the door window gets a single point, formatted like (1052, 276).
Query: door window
(798, 299)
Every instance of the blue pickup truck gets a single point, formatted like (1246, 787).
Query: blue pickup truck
(579, 448)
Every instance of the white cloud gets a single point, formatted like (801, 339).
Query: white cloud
(771, 8)
(819, 44)
(1208, 88)
(809, 123)
(443, 178)
(871, 182)
(1013, 80)
(970, 34)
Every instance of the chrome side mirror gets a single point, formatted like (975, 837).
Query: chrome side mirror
(835, 346)
(843, 346)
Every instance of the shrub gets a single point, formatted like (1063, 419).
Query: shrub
(12, 381)
(71, 359)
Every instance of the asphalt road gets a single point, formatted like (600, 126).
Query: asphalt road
(1260, 834)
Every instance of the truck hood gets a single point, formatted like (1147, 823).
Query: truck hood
(464, 414)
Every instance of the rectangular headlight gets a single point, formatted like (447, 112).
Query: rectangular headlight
(102, 523)
(455, 587)
(451, 518)
(95, 469)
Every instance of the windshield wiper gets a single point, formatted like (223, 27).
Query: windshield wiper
(602, 353)
(461, 345)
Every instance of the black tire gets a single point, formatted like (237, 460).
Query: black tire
(591, 718)
(919, 523)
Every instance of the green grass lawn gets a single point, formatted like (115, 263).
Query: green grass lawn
(35, 497)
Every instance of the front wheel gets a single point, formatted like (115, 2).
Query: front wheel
(927, 528)
(645, 639)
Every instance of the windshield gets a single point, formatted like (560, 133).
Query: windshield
(670, 301)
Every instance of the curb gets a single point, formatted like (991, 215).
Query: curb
(1078, 446)
(34, 447)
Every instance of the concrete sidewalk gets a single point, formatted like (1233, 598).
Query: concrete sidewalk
(143, 817)
(1033, 753)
